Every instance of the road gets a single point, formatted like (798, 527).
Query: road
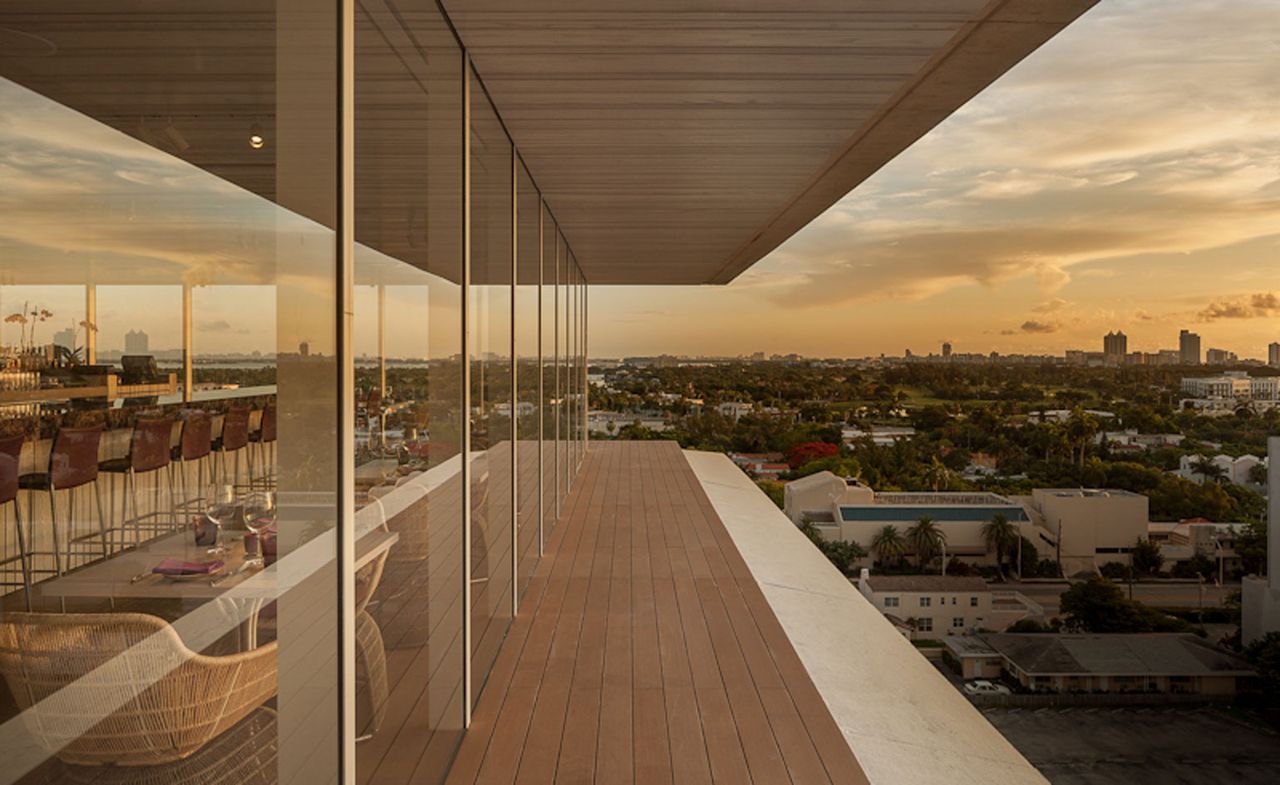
(1160, 595)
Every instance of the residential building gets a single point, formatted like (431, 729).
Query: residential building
(1219, 357)
(1176, 663)
(1188, 347)
(609, 423)
(1234, 469)
(931, 606)
(1130, 440)
(1184, 540)
(1230, 385)
(136, 342)
(440, 181)
(1227, 391)
(880, 435)
(735, 410)
(1115, 347)
(65, 338)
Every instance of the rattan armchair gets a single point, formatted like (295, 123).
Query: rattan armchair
(107, 720)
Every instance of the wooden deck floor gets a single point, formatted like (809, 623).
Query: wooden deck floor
(644, 651)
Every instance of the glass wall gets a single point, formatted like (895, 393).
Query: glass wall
(550, 376)
(407, 339)
(562, 372)
(175, 409)
(528, 373)
(168, 392)
(490, 339)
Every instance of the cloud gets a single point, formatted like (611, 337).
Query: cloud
(1033, 326)
(1051, 306)
(1257, 305)
(1108, 143)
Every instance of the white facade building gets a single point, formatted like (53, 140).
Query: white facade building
(930, 606)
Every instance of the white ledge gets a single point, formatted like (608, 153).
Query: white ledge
(903, 720)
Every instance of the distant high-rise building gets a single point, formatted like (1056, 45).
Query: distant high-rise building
(304, 349)
(1115, 346)
(946, 350)
(136, 342)
(1273, 355)
(1189, 348)
(65, 338)
(1219, 357)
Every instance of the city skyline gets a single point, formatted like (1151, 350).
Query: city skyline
(1110, 181)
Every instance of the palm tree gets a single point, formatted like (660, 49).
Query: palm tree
(889, 545)
(926, 540)
(1208, 470)
(937, 475)
(1079, 431)
(1000, 536)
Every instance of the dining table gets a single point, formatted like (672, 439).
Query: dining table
(243, 582)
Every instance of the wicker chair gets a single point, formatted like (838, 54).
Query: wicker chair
(244, 755)
(195, 698)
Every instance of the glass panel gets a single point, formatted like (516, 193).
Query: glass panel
(167, 213)
(529, 248)
(489, 316)
(562, 377)
(573, 370)
(547, 294)
(408, 342)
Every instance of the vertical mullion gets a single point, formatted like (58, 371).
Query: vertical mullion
(466, 389)
(542, 211)
(345, 236)
(515, 391)
(556, 354)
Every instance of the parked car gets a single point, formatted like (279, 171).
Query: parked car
(984, 687)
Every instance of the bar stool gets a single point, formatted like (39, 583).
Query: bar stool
(73, 464)
(10, 451)
(265, 439)
(235, 437)
(195, 445)
(149, 452)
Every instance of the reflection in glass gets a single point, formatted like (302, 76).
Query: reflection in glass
(408, 397)
(168, 300)
(550, 378)
(489, 325)
(528, 249)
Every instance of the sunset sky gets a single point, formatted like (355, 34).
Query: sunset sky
(1124, 176)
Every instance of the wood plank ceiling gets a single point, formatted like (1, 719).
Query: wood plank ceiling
(679, 142)
(675, 141)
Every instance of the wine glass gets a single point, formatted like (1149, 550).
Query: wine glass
(259, 516)
(223, 511)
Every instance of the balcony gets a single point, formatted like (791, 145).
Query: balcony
(680, 629)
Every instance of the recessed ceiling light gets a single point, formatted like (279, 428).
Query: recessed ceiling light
(256, 140)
